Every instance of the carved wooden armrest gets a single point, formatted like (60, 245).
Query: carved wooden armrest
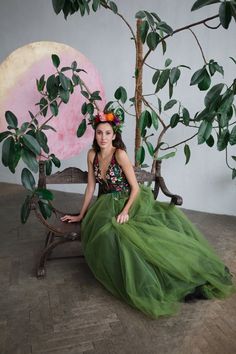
(175, 199)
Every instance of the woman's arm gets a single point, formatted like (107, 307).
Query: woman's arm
(124, 162)
(88, 192)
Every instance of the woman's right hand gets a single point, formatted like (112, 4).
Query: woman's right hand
(72, 218)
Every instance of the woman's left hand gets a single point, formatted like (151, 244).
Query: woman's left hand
(122, 217)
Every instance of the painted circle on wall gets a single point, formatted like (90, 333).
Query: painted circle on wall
(18, 93)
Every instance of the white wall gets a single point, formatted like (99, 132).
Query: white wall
(205, 183)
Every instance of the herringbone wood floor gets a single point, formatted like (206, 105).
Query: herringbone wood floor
(69, 312)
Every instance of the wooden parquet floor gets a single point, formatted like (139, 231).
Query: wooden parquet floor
(69, 312)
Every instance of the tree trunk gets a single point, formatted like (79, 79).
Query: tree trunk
(138, 87)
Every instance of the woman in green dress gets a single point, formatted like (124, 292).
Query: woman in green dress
(143, 251)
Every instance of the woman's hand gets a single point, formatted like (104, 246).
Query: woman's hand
(72, 218)
(122, 217)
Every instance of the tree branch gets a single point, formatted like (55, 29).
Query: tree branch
(149, 105)
(184, 141)
(203, 56)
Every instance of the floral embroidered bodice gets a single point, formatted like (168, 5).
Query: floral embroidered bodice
(114, 181)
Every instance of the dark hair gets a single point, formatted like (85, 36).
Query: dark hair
(117, 142)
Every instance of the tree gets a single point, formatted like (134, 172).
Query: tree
(214, 123)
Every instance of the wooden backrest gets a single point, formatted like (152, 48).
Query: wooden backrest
(72, 175)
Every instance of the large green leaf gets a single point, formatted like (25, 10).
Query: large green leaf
(121, 94)
(154, 119)
(174, 120)
(44, 193)
(82, 128)
(52, 86)
(29, 159)
(204, 131)
(54, 108)
(31, 143)
(169, 104)
(144, 27)
(210, 141)
(27, 179)
(155, 76)
(4, 135)
(42, 140)
(213, 94)
(25, 209)
(140, 155)
(113, 7)
(200, 3)
(58, 5)
(205, 83)
(232, 139)
(163, 79)
(45, 209)
(198, 76)
(11, 119)
(163, 26)
(174, 75)
(55, 60)
(150, 148)
(152, 40)
(144, 120)
(48, 167)
(55, 160)
(187, 153)
(186, 116)
(223, 140)
(8, 150)
(225, 14)
(63, 81)
(167, 156)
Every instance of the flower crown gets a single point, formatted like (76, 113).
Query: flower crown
(116, 118)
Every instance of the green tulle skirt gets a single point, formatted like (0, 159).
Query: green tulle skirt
(155, 259)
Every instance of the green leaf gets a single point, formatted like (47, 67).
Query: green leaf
(174, 75)
(140, 14)
(167, 156)
(45, 209)
(168, 62)
(144, 120)
(210, 141)
(84, 108)
(163, 26)
(204, 131)
(140, 155)
(27, 179)
(63, 81)
(43, 104)
(198, 76)
(25, 209)
(186, 116)
(90, 108)
(219, 68)
(47, 127)
(154, 119)
(85, 94)
(52, 87)
(11, 119)
(29, 159)
(55, 160)
(169, 104)
(152, 40)
(225, 14)
(205, 83)
(174, 120)
(113, 7)
(95, 5)
(227, 101)
(156, 16)
(64, 95)
(58, 5)
(171, 87)
(82, 128)
(164, 46)
(163, 79)
(55, 60)
(144, 27)
(42, 140)
(159, 105)
(232, 139)
(223, 140)
(4, 135)
(233, 173)
(149, 18)
(187, 153)
(31, 143)
(234, 158)
(48, 164)
(213, 94)
(150, 148)
(121, 94)
(8, 150)
(44, 193)
(54, 108)
(155, 76)
(200, 3)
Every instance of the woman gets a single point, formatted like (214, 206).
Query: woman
(143, 251)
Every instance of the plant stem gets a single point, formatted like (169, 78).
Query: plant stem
(184, 141)
(149, 105)
(203, 56)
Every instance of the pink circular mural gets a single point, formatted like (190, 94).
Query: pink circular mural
(18, 93)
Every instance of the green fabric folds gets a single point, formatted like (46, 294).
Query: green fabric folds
(155, 259)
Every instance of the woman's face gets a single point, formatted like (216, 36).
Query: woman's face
(104, 135)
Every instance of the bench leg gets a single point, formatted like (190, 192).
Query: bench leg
(41, 271)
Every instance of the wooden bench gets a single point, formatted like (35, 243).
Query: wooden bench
(58, 232)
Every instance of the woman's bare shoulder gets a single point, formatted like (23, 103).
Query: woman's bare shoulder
(121, 155)
(91, 155)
